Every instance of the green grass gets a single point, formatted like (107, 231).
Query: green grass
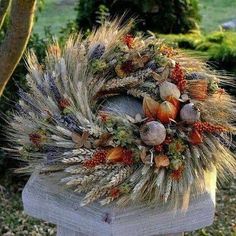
(55, 14)
(216, 12)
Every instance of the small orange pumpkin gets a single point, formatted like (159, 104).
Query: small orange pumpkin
(166, 111)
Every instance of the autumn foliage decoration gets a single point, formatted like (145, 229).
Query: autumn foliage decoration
(124, 118)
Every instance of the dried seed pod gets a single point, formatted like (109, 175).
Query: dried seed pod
(168, 89)
(153, 133)
(189, 113)
(166, 111)
(150, 107)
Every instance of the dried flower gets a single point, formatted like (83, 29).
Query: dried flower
(177, 146)
(38, 138)
(127, 67)
(167, 51)
(198, 89)
(64, 103)
(114, 192)
(162, 161)
(128, 40)
(177, 174)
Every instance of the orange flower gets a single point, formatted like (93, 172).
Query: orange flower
(128, 40)
(162, 161)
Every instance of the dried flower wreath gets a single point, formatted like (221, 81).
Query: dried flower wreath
(124, 118)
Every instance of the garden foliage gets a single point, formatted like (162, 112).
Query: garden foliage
(179, 16)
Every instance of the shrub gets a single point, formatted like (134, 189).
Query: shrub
(167, 16)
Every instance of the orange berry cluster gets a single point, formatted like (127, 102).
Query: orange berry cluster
(207, 127)
(127, 157)
(128, 40)
(99, 157)
(159, 148)
(178, 77)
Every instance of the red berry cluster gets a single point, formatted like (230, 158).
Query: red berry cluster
(115, 192)
(127, 157)
(35, 138)
(128, 40)
(64, 103)
(178, 77)
(127, 67)
(159, 148)
(99, 157)
(208, 127)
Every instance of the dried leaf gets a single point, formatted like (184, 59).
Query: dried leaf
(81, 140)
(150, 107)
(162, 161)
(120, 73)
(143, 155)
(115, 154)
(103, 140)
(140, 61)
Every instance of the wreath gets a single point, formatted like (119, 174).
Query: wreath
(124, 118)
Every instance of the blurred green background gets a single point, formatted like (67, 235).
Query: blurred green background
(194, 26)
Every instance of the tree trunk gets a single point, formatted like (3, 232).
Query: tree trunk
(4, 4)
(16, 39)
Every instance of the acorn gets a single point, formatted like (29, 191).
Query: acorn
(153, 133)
(189, 113)
(166, 111)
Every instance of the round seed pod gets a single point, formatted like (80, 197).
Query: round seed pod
(189, 113)
(153, 133)
(168, 89)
